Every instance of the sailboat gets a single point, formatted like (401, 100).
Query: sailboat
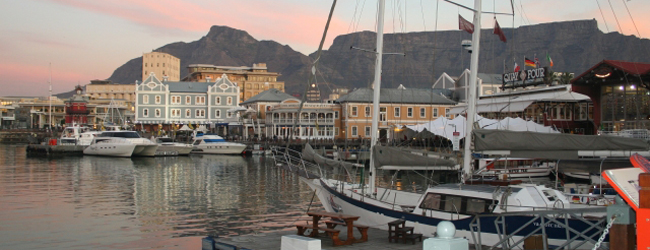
(470, 208)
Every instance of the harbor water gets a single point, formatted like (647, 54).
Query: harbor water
(142, 203)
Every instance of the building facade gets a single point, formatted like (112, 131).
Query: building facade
(313, 94)
(398, 107)
(76, 108)
(161, 64)
(251, 80)
(101, 92)
(166, 103)
(620, 94)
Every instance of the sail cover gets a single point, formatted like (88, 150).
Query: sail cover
(551, 146)
(387, 157)
(308, 153)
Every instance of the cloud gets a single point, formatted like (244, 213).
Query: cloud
(39, 39)
(16, 80)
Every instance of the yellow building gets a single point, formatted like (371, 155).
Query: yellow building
(102, 89)
(162, 64)
(398, 107)
(251, 80)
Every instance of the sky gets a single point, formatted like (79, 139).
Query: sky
(74, 41)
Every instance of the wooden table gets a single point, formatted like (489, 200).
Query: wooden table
(349, 223)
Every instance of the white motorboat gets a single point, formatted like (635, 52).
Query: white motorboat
(143, 146)
(110, 146)
(167, 146)
(77, 135)
(214, 144)
(509, 168)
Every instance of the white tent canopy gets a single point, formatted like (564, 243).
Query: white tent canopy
(185, 128)
(236, 109)
(446, 127)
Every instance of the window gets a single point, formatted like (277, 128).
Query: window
(217, 113)
(145, 99)
(397, 114)
(157, 113)
(447, 113)
(367, 132)
(217, 100)
(145, 64)
(355, 131)
(368, 111)
(435, 112)
(188, 113)
(163, 66)
(200, 113)
(475, 206)
(229, 101)
(176, 113)
(354, 111)
(188, 100)
(423, 113)
(145, 112)
(200, 100)
(229, 114)
(409, 112)
(176, 99)
(336, 115)
(336, 131)
(157, 99)
(431, 201)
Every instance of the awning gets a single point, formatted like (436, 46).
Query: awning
(494, 107)
(458, 109)
(516, 106)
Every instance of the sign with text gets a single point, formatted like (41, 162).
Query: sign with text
(524, 78)
(456, 141)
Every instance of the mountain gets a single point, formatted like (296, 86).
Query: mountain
(574, 46)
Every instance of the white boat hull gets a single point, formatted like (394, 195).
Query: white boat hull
(145, 150)
(178, 148)
(110, 149)
(219, 148)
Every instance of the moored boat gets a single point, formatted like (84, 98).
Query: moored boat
(108, 146)
(167, 145)
(214, 144)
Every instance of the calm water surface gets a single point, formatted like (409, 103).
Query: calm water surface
(142, 203)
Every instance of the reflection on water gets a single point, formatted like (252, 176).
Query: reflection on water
(141, 203)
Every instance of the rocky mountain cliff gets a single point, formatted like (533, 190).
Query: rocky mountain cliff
(574, 46)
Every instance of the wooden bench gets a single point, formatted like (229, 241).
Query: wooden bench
(363, 229)
(333, 233)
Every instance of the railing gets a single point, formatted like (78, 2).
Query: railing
(631, 133)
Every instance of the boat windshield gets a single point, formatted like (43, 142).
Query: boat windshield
(162, 139)
(121, 134)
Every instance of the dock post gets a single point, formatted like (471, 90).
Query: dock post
(643, 213)
(622, 234)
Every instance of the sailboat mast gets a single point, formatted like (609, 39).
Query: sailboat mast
(376, 87)
(50, 126)
(471, 97)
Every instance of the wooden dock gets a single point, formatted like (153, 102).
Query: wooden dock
(54, 150)
(377, 239)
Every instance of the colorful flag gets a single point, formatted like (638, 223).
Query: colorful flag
(528, 62)
(465, 25)
(536, 62)
(550, 61)
(516, 67)
(498, 31)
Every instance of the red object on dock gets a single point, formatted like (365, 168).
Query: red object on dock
(52, 142)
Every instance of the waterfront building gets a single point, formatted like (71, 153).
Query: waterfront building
(101, 92)
(7, 116)
(317, 120)
(76, 108)
(251, 80)
(258, 106)
(161, 64)
(167, 103)
(337, 93)
(620, 94)
(39, 111)
(398, 107)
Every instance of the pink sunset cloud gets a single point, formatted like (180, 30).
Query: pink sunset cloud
(32, 80)
(293, 25)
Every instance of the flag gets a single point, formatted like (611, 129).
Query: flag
(465, 25)
(528, 62)
(498, 31)
(516, 67)
(536, 62)
(550, 61)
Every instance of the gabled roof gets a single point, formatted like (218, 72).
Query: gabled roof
(191, 87)
(633, 68)
(271, 95)
(428, 96)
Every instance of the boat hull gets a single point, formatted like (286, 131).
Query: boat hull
(145, 150)
(109, 149)
(219, 148)
(181, 149)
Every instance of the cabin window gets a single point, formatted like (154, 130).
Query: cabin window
(550, 195)
(475, 206)
(431, 201)
(453, 204)
(197, 142)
